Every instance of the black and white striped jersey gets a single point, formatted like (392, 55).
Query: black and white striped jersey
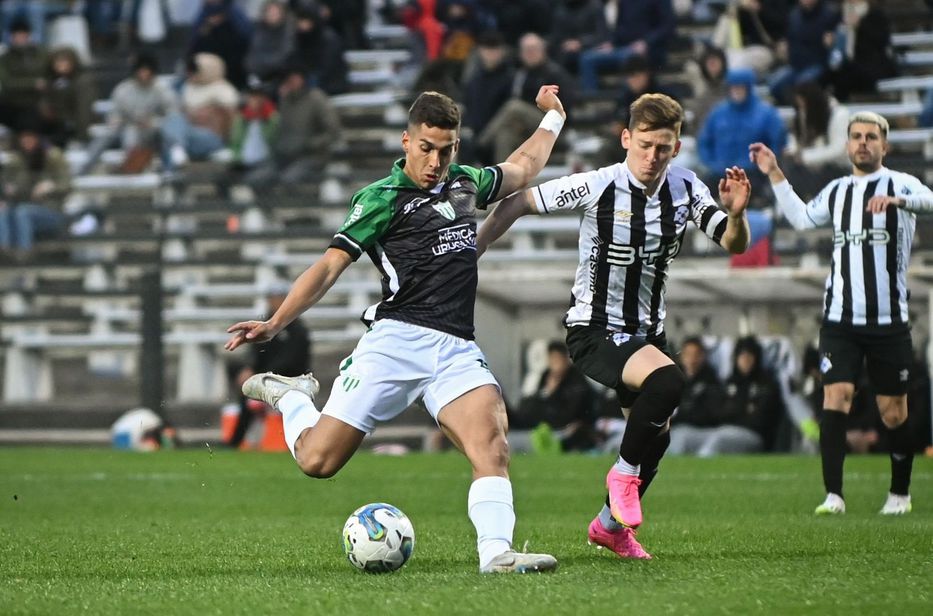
(627, 241)
(867, 282)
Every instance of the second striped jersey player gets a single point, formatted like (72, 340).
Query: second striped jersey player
(865, 321)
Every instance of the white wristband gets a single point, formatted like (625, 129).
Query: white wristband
(552, 121)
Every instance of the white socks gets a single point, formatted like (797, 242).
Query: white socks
(490, 509)
(627, 469)
(298, 413)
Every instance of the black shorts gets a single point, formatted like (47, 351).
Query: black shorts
(602, 354)
(888, 354)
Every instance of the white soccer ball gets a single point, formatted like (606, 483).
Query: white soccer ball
(378, 538)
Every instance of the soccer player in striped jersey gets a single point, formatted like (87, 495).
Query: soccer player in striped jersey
(873, 215)
(418, 227)
(635, 214)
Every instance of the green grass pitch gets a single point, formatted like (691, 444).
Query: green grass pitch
(200, 532)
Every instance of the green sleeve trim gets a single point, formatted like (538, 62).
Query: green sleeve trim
(488, 181)
(371, 211)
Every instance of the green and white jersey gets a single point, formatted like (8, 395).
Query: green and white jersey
(424, 244)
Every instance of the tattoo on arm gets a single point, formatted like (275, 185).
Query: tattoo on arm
(528, 156)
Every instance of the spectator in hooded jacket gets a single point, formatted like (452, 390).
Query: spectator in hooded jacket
(208, 105)
(700, 407)
(318, 50)
(737, 121)
(273, 38)
(22, 76)
(34, 183)
(67, 98)
(750, 413)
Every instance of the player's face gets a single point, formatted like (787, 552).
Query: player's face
(429, 150)
(649, 152)
(866, 146)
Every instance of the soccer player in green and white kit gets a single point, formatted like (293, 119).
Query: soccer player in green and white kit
(418, 227)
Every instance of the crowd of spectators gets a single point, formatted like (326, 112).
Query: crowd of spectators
(256, 77)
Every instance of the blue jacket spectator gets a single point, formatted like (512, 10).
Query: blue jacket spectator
(739, 120)
(643, 27)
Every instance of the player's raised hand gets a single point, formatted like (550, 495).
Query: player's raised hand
(249, 331)
(762, 156)
(735, 190)
(546, 100)
(880, 203)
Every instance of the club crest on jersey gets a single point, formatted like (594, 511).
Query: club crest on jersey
(445, 209)
(619, 338)
(680, 215)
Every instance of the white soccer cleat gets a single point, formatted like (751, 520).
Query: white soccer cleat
(833, 505)
(896, 504)
(520, 562)
(270, 387)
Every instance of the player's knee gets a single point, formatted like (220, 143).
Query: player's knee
(491, 455)
(665, 386)
(838, 396)
(317, 465)
(893, 412)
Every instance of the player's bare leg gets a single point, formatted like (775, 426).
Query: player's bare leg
(837, 401)
(476, 423)
(894, 416)
(320, 444)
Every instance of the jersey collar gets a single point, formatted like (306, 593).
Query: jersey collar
(875, 175)
(399, 177)
(635, 182)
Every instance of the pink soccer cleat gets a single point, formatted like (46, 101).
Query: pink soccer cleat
(622, 542)
(624, 502)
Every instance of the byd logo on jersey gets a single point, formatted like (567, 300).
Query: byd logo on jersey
(454, 239)
(874, 237)
(619, 254)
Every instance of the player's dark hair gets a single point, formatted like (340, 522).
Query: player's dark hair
(655, 111)
(435, 110)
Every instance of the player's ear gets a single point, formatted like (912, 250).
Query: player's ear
(406, 140)
(626, 138)
(677, 145)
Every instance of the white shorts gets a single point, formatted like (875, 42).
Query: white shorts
(396, 363)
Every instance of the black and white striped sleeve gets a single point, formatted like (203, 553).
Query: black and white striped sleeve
(705, 212)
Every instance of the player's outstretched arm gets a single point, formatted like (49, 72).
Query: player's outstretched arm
(502, 217)
(308, 289)
(529, 159)
(734, 193)
(789, 202)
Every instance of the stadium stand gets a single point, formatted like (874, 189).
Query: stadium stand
(70, 314)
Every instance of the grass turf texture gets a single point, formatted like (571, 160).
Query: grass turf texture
(195, 532)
